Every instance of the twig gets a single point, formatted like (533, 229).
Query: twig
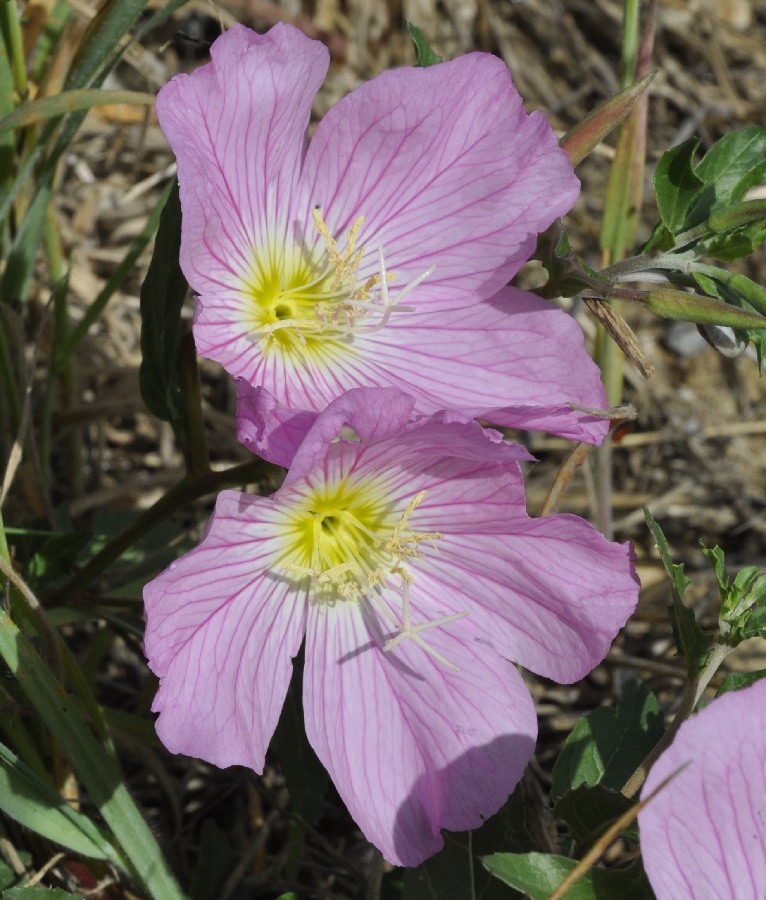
(602, 844)
(43, 871)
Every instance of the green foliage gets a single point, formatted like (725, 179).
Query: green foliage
(736, 681)
(677, 186)
(215, 863)
(54, 558)
(692, 643)
(567, 274)
(704, 214)
(423, 53)
(456, 870)
(8, 877)
(603, 750)
(68, 102)
(30, 801)
(607, 746)
(162, 328)
(92, 762)
(589, 811)
(738, 291)
(743, 601)
(66, 349)
(307, 779)
(537, 875)
(693, 197)
(36, 893)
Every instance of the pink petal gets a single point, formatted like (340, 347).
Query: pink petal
(238, 129)
(221, 636)
(412, 746)
(373, 414)
(269, 429)
(515, 361)
(550, 594)
(704, 834)
(448, 170)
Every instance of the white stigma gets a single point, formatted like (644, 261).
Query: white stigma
(408, 630)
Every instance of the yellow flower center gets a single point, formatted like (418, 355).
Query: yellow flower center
(348, 538)
(310, 302)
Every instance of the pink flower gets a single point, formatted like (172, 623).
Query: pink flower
(703, 837)
(403, 552)
(435, 177)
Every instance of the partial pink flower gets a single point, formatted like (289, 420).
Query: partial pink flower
(703, 837)
(435, 178)
(403, 552)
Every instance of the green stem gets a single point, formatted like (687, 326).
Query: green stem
(11, 27)
(190, 488)
(629, 56)
(695, 687)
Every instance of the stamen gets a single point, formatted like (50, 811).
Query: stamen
(332, 576)
(408, 630)
(346, 264)
(397, 545)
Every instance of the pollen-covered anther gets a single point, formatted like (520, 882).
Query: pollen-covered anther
(349, 313)
(347, 263)
(334, 576)
(405, 546)
(408, 630)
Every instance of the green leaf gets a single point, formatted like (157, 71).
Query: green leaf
(30, 801)
(7, 876)
(736, 681)
(738, 243)
(753, 625)
(17, 278)
(54, 559)
(36, 893)
(539, 874)
(607, 746)
(216, 861)
(7, 143)
(456, 872)
(97, 54)
(677, 185)
(162, 328)
(105, 31)
(715, 557)
(97, 770)
(690, 640)
(307, 779)
(68, 102)
(424, 54)
(589, 811)
(733, 165)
